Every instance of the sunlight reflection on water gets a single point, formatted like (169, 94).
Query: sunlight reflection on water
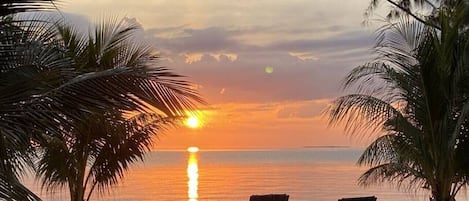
(306, 175)
(193, 175)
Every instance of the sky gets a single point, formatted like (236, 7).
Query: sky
(267, 68)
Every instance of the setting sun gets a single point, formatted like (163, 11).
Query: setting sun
(192, 122)
(193, 149)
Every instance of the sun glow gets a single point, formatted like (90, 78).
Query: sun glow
(196, 119)
(193, 149)
(192, 122)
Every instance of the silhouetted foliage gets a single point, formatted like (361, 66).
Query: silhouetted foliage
(55, 83)
(414, 97)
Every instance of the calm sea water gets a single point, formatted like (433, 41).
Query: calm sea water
(306, 175)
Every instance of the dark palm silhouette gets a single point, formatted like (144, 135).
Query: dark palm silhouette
(52, 85)
(424, 11)
(8, 7)
(26, 59)
(108, 140)
(415, 95)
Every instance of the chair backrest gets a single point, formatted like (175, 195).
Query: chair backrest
(270, 197)
(370, 198)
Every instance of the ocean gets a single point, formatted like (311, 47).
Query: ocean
(315, 174)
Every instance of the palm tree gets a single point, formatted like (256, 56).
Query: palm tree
(43, 94)
(27, 56)
(95, 153)
(414, 95)
(107, 140)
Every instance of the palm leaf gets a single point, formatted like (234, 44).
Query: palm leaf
(413, 97)
(8, 7)
(118, 76)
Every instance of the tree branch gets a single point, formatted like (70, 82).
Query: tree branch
(407, 10)
(431, 4)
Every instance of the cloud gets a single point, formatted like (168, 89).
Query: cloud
(304, 55)
(167, 32)
(225, 46)
(228, 41)
(303, 109)
(192, 58)
(228, 56)
(278, 111)
(212, 39)
(218, 39)
(344, 41)
(304, 67)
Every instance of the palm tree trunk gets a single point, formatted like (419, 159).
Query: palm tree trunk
(442, 193)
(77, 188)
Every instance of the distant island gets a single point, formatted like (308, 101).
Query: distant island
(327, 146)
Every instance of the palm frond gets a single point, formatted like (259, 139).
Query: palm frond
(117, 76)
(128, 89)
(54, 163)
(414, 96)
(361, 113)
(419, 10)
(397, 173)
(12, 189)
(126, 146)
(8, 7)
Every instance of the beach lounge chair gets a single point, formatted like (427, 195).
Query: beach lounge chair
(270, 197)
(370, 198)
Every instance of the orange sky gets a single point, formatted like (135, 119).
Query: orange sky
(267, 68)
(259, 126)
